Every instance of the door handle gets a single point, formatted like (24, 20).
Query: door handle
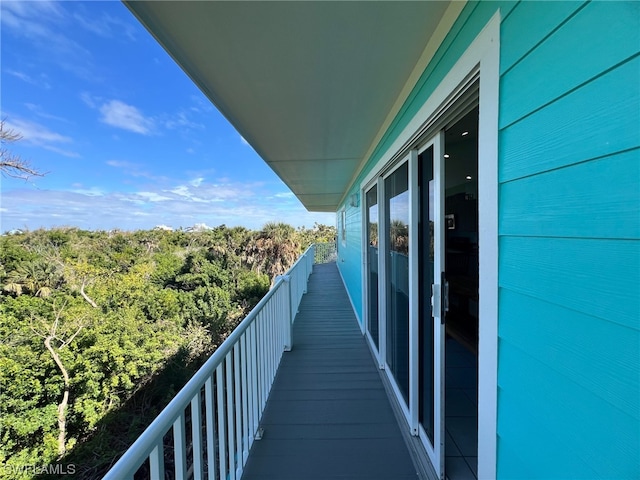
(444, 301)
(435, 299)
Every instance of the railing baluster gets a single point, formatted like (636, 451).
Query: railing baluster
(196, 436)
(156, 461)
(244, 354)
(237, 380)
(270, 348)
(230, 422)
(259, 367)
(222, 444)
(238, 407)
(263, 360)
(211, 429)
(179, 448)
(254, 383)
(275, 342)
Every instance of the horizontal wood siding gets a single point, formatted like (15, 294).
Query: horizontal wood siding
(349, 255)
(468, 25)
(546, 204)
(471, 21)
(569, 225)
(569, 232)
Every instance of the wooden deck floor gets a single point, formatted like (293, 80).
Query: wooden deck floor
(328, 416)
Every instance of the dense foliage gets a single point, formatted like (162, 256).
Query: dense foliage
(98, 330)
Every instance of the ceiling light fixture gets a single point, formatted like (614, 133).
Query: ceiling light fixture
(446, 155)
(465, 133)
(468, 177)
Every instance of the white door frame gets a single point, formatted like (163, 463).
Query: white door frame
(436, 451)
(382, 275)
(365, 269)
(482, 55)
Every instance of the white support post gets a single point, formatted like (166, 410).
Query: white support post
(288, 313)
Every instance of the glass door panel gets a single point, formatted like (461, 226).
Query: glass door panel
(372, 263)
(396, 193)
(426, 270)
(430, 200)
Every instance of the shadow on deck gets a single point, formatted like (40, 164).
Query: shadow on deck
(328, 416)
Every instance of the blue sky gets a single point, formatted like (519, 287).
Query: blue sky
(127, 139)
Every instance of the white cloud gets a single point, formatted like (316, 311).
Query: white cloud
(127, 117)
(181, 190)
(196, 182)
(135, 170)
(284, 195)
(153, 196)
(91, 192)
(182, 121)
(38, 135)
(44, 24)
(90, 100)
(201, 104)
(28, 18)
(104, 25)
(180, 205)
(121, 164)
(41, 81)
(37, 109)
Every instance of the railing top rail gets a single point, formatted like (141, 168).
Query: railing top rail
(310, 248)
(147, 441)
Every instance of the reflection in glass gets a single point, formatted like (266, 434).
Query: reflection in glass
(397, 281)
(372, 262)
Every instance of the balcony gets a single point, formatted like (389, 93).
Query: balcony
(293, 393)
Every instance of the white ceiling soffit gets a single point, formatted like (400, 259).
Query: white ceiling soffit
(308, 84)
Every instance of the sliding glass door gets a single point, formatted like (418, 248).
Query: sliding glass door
(372, 263)
(431, 300)
(397, 199)
(411, 232)
(404, 261)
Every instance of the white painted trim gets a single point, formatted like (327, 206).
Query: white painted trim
(484, 52)
(434, 452)
(382, 275)
(343, 226)
(372, 347)
(396, 391)
(489, 43)
(438, 325)
(364, 274)
(414, 294)
(449, 18)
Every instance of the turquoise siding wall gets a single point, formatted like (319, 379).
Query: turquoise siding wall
(569, 232)
(350, 258)
(569, 226)
(466, 28)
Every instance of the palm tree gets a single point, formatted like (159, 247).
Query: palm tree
(37, 277)
(274, 249)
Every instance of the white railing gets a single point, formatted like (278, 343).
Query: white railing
(208, 428)
(325, 252)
